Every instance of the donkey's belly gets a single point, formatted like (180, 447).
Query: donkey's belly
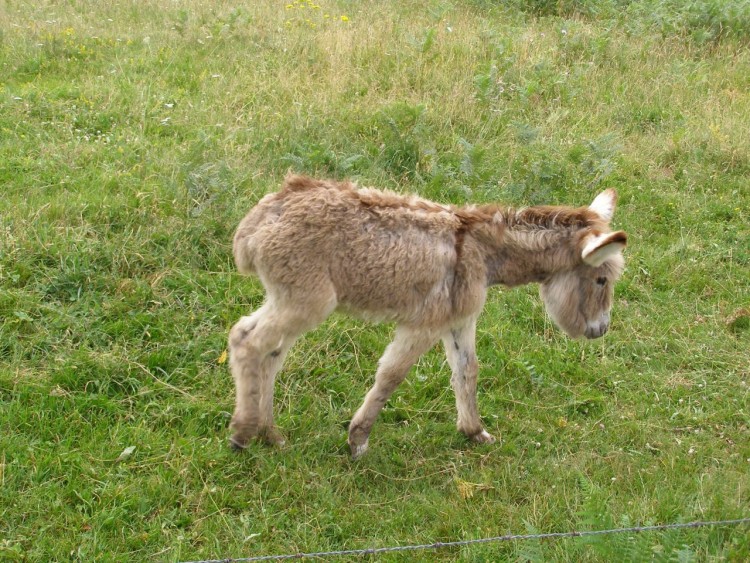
(402, 304)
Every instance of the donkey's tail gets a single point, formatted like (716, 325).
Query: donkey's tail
(244, 251)
(250, 233)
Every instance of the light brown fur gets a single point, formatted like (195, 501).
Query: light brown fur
(318, 246)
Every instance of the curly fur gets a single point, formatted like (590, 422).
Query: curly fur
(320, 245)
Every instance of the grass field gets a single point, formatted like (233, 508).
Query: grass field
(135, 135)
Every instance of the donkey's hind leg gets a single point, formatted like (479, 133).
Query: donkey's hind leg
(258, 345)
(460, 349)
(407, 346)
(250, 342)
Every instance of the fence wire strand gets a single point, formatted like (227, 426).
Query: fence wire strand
(462, 543)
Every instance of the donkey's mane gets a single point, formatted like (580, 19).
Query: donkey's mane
(552, 216)
(541, 217)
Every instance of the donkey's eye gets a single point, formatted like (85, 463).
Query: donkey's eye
(601, 281)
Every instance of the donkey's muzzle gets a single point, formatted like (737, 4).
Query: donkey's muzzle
(595, 330)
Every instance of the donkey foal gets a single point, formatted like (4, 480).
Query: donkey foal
(318, 246)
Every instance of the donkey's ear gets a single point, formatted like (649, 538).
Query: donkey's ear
(604, 204)
(598, 248)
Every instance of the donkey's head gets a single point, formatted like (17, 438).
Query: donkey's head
(579, 299)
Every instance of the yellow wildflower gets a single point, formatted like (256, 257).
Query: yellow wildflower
(222, 358)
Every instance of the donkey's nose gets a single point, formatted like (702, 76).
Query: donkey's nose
(595, 330)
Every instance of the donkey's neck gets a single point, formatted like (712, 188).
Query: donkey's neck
(529, 245)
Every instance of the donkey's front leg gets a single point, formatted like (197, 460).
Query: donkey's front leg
(461, 353)
(408, 344)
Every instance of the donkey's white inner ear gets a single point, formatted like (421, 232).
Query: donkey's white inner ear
(604, 204)
(601, 247)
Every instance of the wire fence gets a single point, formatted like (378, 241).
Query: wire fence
(462, 543)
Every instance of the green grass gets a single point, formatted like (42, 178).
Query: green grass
(134, 136)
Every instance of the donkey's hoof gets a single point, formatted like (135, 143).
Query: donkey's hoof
(273, 437)
(483, 437)
(358, 450)
(237, 444)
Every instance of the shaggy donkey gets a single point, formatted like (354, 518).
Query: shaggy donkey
(318, 246)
